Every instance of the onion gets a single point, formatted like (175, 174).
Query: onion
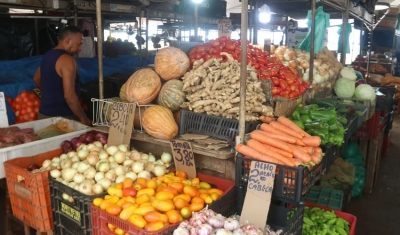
(55, 164)
(85, 188)
(359, 82)
(68, 174)
(119, 157)
(159, 162)
(119, 170)
(70, 154)
(135, 155)
(159, 170)
(293, 64)
(166, 157)
(90, 147)
(65, 196)
(113, 165)
(89, 138)
(98, 176)
(137, 167)
(106, 183)
(63, 156)
(76, 187)
(144, 174)
(82, 167)
(66, 164)
(103, 155)
(72, 184)
(120, 179)
(46, 163)
(55, 173)
(131, 175)
(128, 162)
(91, 181)
(82, 154)
(149, 166)
(103, 166)
(112, 171)
(92, 159)
(81, 147)
(97, 189)
(98, 144)
(75, 158)
(151, 158)
(123, 148)
(90, 173)
(109, 175)
(144, 156)
(103, 141)
(79, 178)
(112, 150)
(75, 165)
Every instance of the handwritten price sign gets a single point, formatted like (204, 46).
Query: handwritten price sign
(225, 28)
(183, 157)
(122, 116)
(3, 111)
(259, 192)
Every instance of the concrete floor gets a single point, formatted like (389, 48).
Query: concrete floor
(377, 214)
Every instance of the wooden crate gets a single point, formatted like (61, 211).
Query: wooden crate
(371, 152)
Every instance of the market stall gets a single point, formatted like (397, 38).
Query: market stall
(201, 142)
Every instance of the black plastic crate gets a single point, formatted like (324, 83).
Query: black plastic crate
(351, 126)
(70, 218)
(301, 178)
(228, 205)
(331, 154)
(281, 215)
(218, 127)
(389, 122)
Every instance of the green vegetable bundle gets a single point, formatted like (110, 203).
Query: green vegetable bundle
(320, 222)
(322, 122)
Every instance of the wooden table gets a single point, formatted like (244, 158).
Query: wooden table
(218, 163)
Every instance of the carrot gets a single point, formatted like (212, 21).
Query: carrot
(316, 158)
(300, 154)
(268, 128)
(284, 138)
(252, 153)
(280, 151)
(297, 162)
(314, 141)
(300, 142)
(286, 130)
(291, 125)
(254, 144)
(309, 150)
(318, 149)
(267, 119)
(270, 141)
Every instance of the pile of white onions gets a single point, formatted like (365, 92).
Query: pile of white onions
(93, 168)
(207, 222)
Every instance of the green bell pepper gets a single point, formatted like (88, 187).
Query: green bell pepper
(296, 115)
(316, 125)
(307, 108)
(323, 133)
(299, 124)
(342, 120)
(335, 126)
(305, 119)
(336, 139)
(323, 115)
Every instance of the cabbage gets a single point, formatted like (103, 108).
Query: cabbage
(348, 73)
(365, 92)
(344, 88)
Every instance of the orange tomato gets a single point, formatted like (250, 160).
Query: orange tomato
(119, 186)
(127, 212)
(195, 181)
(207, 198)
(214, 196)
(127, 204)
(114, 209)
(143, 210)
(141, 181)
(196, 206)
(145, 204)
(173, 216)
(142, 199)
(121, 201)
(178, 186)
(154, 216)
(137, 220)
(119, 231)
(215, 190)
(149, 191)
(197, 199)
(155, 226)
(98, 201)
(129, 192)
(161, 186)
(138, 186)
(163, 205)
(180, 203)
(191, 191)
(128, 182)
(111, 227)
(186, 212)
(169, 189)
(181, 174)
(203, 190)
(185, 197)
(114, 191)
(130, 199)
(104, 204)
(165, 196)
(151, 184)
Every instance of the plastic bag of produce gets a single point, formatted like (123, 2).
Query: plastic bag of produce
(59, 128)
(340, 175)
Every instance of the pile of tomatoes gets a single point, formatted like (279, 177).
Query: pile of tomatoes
(25, 106)
(285, 82)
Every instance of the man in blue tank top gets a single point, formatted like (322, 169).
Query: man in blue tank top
(57, 78)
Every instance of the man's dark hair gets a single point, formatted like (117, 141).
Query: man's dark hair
(69, 30)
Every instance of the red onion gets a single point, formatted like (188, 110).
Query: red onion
(82, 137)
(100, 135)
(89, 138)
(359, 82)
(103, 141)
(74, 140)
(77, 144)
(33, 167)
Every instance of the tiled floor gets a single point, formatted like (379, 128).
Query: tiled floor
(377, 214)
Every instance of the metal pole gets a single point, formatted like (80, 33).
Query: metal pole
(36, 37)
(371, 34)
(286, 30)
(100, 48)
(147, 34)
(311, 71)
(196, 21)
(256, 23)
(251, 21)
(75, 13)
(344, 29)
(243, 72)
(139, 34)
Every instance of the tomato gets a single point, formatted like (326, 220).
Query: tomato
(193, 50)
(294, 94)
(302, 89)
(198, 56)
(238, 51)
(223, 39)
(293, 87)
(230, 46)
(289, 81)
(217, 56)
(283, 84)
(256, 66)
(18, 99)
(222, 45)
(207, 57)
(276, 91)
(192, 55)
(253, 60)
(265, 54)
(262, 67)
(129, 192)
(215, 43)
(275, 81)
(261, 60)
(201, 48)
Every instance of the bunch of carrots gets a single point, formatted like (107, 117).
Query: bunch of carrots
(281, 141)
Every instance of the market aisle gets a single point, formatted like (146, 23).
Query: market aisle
(379, 213)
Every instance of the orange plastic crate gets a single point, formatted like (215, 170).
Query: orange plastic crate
(226, 205)
(30, 192)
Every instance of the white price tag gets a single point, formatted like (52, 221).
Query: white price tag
(3, 111)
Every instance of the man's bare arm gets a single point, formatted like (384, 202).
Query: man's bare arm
(37, 78)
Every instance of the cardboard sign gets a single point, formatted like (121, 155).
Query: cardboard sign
(3, 111)
(183, 157)
(122, 116)
(258, 197)
(225, 28)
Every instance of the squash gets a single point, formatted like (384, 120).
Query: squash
(171, 95)
(177, 116)
(171, 63)
(107, 108)
(159, 122)
(143, 86)
(122, 92)
(136, 120)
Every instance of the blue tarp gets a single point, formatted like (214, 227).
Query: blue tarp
(17, 75)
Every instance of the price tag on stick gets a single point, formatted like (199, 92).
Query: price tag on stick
(122, 116)
(225, 28)
(258, 197)
(3, 111)
(183, 157)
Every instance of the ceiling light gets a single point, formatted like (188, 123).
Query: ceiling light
(197, 1)
(381, 6)
(265, 14)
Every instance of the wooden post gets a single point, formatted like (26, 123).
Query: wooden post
(100, 48)
(312, 39)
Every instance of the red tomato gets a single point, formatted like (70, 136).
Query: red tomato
(275, 81)
(253, 60)
(222, 45)
(18, 99)
(201, 48)
(217, 56)
(262, 67)
(223, 39)
(293, 87)
(302, 89)
(215, 43)
(276, 91)
(36, 110)
(238, 51)
(193, 50)
(207, 57)
(294, 94)
(230, 46)
(283, 84)
(256, 66)
(129, 192)
(265, 54)
(306, 84)
(261, 60)
(289, 81)
(198, 56)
